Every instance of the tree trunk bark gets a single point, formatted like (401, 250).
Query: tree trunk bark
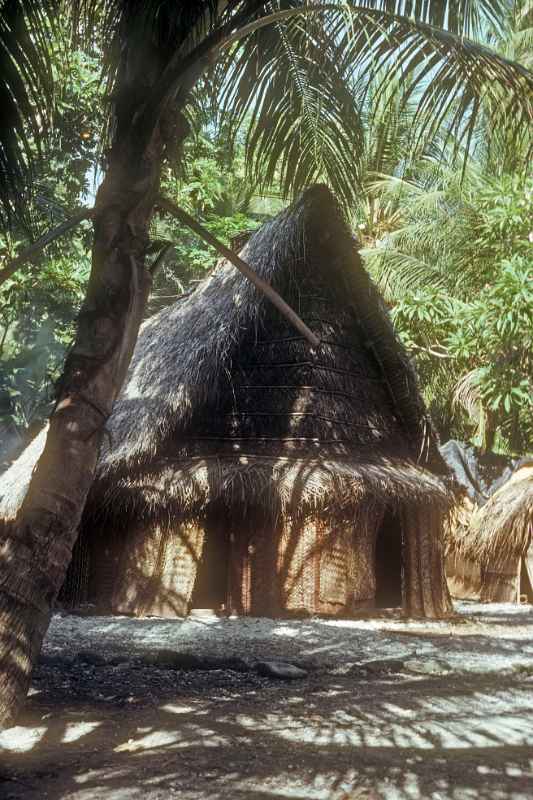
(35, 550)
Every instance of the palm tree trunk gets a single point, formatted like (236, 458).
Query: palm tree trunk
(35, 550)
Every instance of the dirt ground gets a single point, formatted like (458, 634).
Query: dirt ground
(124, 708)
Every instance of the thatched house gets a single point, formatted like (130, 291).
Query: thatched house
(499, 539)
(245, 470)
(478, 475)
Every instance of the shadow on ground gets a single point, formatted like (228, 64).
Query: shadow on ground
(128, 731)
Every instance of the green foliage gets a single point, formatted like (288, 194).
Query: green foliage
(214, 188)
(494, 334)
(37, 312)
(39, 304)
(294, 79)
(505, 217)
(471, 332)
(72, 154)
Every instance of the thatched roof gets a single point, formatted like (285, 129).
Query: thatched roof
(186, 352)
(223, 401)
(457, 522)
(501, 530)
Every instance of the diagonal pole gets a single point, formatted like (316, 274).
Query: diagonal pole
(44, 240)
(291, 315)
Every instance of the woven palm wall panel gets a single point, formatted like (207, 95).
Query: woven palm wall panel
(157, 570)
(307, 567)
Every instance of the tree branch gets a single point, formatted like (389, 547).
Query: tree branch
(438, 354)
(242, 266)
(41, 243)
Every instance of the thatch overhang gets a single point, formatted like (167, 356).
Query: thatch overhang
(502, 530)
(282, 486)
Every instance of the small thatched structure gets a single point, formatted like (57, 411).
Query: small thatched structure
(473, 550)
(244, 470)
(463, 574)
(499, 539)
(471, 486)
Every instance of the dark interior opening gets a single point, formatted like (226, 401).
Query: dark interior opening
(526, 587)
(389, 562)
(75, 589)
(211, 585)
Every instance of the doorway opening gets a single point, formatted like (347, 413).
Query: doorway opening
(211, 585)
(526, 576)
(389, 554)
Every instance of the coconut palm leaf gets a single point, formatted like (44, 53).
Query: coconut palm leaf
(304, 123)
(514, 39)
(396, 272)
(435, 212)
(465, 17)
(292, 69)
(466, 395)
(26, 89)
(301, 83)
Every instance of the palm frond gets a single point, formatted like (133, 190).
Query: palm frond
(466, 395)
(464, 17)
(417, 193)
(291, 68)
(303, 121)
(397, 273)
(452, 80)
(293, 75)
(26, 90)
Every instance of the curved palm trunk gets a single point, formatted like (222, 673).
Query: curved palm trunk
(36, 550)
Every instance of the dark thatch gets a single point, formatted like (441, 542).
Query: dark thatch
(502, 529)
(224, 400)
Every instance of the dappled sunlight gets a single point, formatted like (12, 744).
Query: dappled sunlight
(344, 732)
(439, 723)
(151, 740)
(76, 730)
(350, 738)
(172, 708)
(21, 739)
